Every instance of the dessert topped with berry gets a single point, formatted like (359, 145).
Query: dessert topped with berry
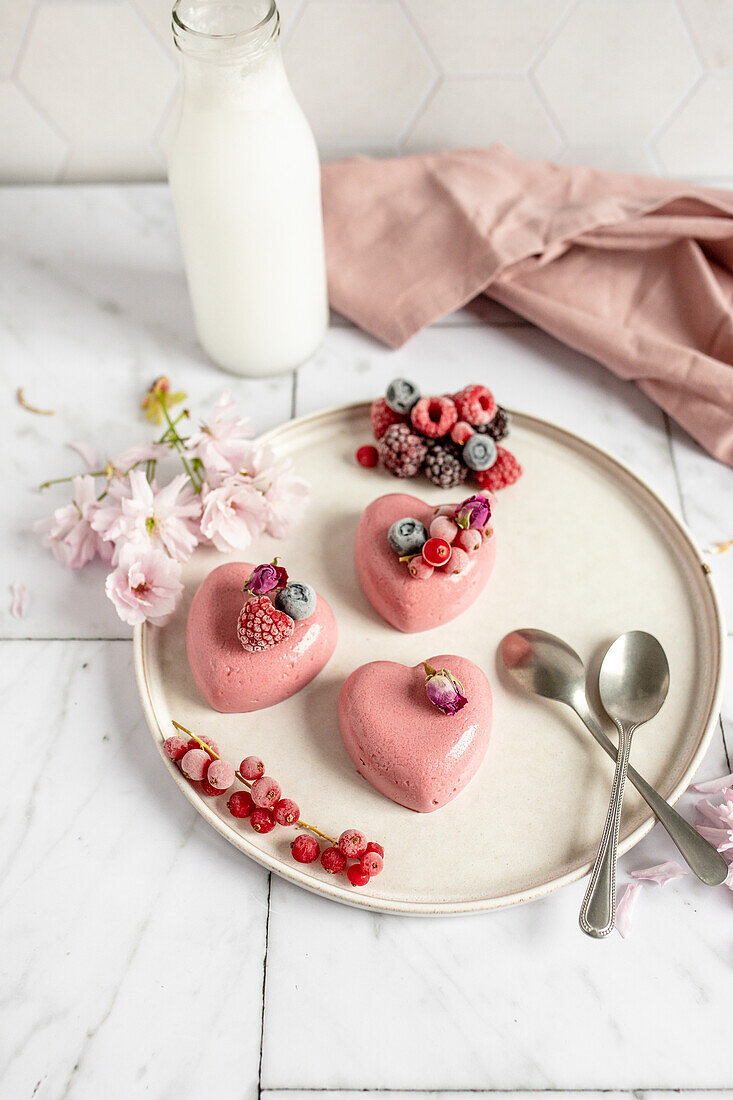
(456, 532)
(449, 438)
(254, 637)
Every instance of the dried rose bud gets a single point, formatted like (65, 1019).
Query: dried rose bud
(443, 690)
(266, 578)
(473, 512)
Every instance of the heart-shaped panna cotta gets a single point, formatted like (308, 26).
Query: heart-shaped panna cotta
(234, 681)
(404, 601)
(402, 744)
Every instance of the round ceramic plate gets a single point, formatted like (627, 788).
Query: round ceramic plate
(585, 550)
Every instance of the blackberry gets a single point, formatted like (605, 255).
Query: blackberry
(497, 428)
(443, 465)
(401, 451)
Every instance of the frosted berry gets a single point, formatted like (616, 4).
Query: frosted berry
(382, 417)
(357, 875)
(497, 428)
(240, 804)
(367, 456)
(461, 432)
(407, 536)
(286, 812)
(402, 451)
(297, 600)
(194, 744)
(505, 471)
(479, 452)
(261, 820)
(434, 416)
(194, 764)
(220, 774)
(333, 861)
(352, 843)
(175, 748)
(419, 569)
(444, 528)
(372, 846)
(372, 863)
(458, 562)
(261, 625)
(443, 466)
(265, 792)
(437, 552)
(475, 404)
(468, 540)
(252, 767)
(208, 789)
(401, 395)
(305, 849)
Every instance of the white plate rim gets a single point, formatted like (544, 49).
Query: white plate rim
(347, 895)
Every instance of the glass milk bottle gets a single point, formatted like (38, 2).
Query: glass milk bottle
(245, 180)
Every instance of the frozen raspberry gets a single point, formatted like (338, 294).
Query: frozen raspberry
(444, 528)
(175, 748)
(261, 820)
(261, 626)
(305, 849)
(333, 861)
(461, 432)
(208, 789)
(419, 569)
(352, 844)
(194, 764)
(443, 466)
(357, 875)
(434, 416)
(437, 552)
(286, 812)
(194, 744)
(475, 404)
(367, 456)
(265, 792)
(252, 767)
(401, 451)
(372, 863)
(240, 804)
(458, 561)
(498, 427)
(468, 540)
(505, 471)
(220, 774)
(372, 846)
(382, 417)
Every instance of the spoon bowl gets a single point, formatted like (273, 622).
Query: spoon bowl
(634, 678)
(544, 664)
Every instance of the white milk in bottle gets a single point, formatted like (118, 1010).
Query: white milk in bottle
(245, 180)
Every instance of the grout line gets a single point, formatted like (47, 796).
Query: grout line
(675, 468)
(635, 1092)
(294, 396)
(65, 638)
(264, 984)
(725, 744)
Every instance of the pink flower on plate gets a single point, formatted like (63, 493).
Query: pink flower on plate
(286, 497)
(137, 511)
(223, 444)
(70, 532)
(145, 586)
(234, 514)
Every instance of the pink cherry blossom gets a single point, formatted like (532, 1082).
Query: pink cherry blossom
(137, 511)
(223, 444)
(717, 826)
(234, 514)
(69, 533)
(139, 452)
(145, 586)
(624, 909)
(661, 873)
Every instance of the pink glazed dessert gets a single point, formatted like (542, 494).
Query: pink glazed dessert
(287, 653)
(413, 593)
(404, 745)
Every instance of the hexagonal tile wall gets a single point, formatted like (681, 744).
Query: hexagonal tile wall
(32, 148)
(711, 26)
(699, 139)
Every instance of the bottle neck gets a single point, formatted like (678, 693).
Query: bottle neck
(241, 33)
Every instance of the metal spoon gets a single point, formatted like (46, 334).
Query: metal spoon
(546, 665)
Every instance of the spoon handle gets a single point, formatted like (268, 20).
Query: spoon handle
(598, 911)
(700, 855)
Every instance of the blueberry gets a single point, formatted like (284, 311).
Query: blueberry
(401, 395)
(479, 452)
(407, 536)
(297, 600)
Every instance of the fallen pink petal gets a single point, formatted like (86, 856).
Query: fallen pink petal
(625, 908)
(660, 874)
(19, 606)
(87, 453)
(713, 786)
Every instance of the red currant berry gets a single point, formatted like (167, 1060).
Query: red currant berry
(194, 744)
(175, 748)
(333, 861)
(207, 788)
(194, 764)
(286, 812)
(220, 774)
(305, 849)
(265, 792)
(352, 843)
(372, 846)
(357, 875)
(240, 804)
(367, 456)
(372, 863)
(252, 767)
(262, 821)
(436, 552)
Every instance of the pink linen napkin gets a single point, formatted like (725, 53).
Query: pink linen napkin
(633, 271)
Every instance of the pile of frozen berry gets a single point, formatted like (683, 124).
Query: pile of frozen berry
(262, 802)
(274, 604)
(456, 532)
(447, 438)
